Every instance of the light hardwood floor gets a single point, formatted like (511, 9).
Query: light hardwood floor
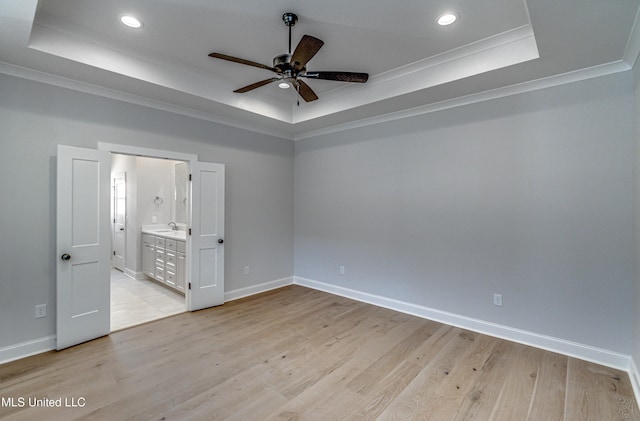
(300, 354)
(137, 301)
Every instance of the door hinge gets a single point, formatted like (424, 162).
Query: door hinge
(114, 252)
(189, 285)
(189, 231)
(189, 177)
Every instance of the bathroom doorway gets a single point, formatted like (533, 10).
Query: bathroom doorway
(83, 240)
(148, 204)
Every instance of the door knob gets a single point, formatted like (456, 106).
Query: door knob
(121, 229)
(221, 241)
(65, 256)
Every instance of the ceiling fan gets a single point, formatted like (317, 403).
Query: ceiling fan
(290, 68)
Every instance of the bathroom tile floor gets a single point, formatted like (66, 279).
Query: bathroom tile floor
(135, 301)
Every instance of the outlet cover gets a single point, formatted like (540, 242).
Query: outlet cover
(341, 270)
(247, 270)
(497, 300)
(41, 311)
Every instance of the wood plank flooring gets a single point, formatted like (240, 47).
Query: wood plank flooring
(300, 354)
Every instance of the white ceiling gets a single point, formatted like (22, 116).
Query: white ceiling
(413, 62)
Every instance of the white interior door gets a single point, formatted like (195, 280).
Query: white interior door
(119, 196)
(205, 247)
(83, 245)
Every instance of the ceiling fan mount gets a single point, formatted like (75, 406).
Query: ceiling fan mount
(290, 19)
(292, 66)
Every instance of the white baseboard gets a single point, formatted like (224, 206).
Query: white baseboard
(634, 377)
(133, 274)
(561, 346)
(573, 349)
(257, 289)
(26, 349)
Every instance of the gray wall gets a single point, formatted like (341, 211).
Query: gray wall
(34, 118)
(529, 196)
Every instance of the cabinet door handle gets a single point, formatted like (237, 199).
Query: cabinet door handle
(65, 257)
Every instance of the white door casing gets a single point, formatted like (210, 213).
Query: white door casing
(205, 245)
(83, 245)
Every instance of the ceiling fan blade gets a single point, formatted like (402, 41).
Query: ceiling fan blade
(338, 76)
(306, 49)
(306, 92)
(256, 85)
(242, 61)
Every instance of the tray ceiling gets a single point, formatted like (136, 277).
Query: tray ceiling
(412, 61)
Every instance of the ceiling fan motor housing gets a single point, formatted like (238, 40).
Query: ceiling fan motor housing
(283, 64)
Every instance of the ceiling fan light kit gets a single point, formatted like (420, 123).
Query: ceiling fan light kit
(291, 67)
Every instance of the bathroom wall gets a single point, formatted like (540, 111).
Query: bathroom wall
(155, 179)
(147, 178)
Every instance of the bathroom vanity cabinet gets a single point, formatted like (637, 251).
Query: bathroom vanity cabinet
(163, 259)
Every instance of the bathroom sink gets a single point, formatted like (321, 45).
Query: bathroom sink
(180, 235)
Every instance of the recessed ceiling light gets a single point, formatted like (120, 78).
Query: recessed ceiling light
(131, 21)
(447, 19)
(284, 85)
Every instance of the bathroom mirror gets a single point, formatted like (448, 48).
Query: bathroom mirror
(180, 202)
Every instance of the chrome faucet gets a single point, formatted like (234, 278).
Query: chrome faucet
(173, 226)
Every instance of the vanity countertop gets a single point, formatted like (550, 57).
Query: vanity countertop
(166, 233)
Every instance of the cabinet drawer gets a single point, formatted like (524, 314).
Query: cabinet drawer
(170, 258)
(148, 238)
(170, 278)
(160, 273)
(159, 241)
(160, 256)
(181, 246)
(171, 244)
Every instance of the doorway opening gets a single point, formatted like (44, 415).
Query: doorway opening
(148, 239)
(83, 241)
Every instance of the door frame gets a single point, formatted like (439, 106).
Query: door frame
(190, 159)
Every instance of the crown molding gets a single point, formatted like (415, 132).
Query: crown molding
(551, 81)
(632, 49)
(548, 82)
(88, 88)
(501, 50)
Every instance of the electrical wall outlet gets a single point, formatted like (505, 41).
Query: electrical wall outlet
(341, 270)
(247, 270)
(41, 311)
(497, 300)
